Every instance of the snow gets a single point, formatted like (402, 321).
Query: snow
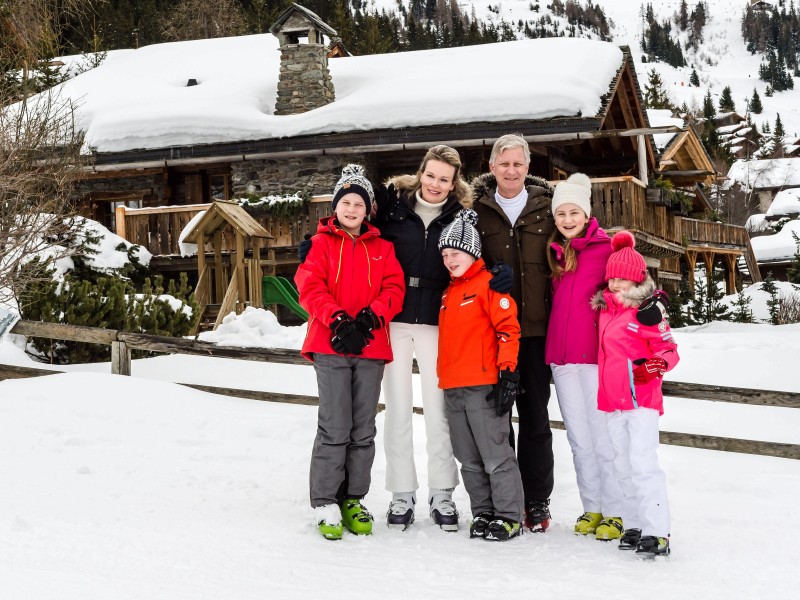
(757, 223)
(764, 174)
(140, 100)
(778, 247)
(759, 298)
(785, 203)
(144, 489)
(659, 118)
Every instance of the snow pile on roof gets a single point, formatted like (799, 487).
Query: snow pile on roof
(757, 223)
(778, 247)
(659, 118)
(786, 203)
(760, 174)
(141, 100)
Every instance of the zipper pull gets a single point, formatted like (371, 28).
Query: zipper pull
(511, 232)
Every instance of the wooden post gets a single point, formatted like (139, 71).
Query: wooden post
(730, 259)
(220, 281)
(708, 259)
(691, 262)
(119, 221)
(641, 147)
(120, 358)
(240, 276)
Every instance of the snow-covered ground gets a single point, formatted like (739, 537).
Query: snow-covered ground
(138, 488)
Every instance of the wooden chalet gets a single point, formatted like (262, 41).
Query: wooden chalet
(149, 195)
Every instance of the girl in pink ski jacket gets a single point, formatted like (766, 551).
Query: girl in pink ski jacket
(579, 250)
(632, 358)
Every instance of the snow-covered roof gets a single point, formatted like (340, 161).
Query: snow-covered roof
(660, 118)
(778, 247)
(757, 223)
(785, 203)
(729, 128)
(765, 174)
(141, 100)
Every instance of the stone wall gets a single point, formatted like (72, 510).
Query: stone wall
(305, 81)
(314, 174)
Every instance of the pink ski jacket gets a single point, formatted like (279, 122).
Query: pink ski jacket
(572, 329)
(622, 341)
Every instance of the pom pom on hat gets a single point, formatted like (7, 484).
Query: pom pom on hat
(576, 190)
(354, 181)
(625, 262)
(461, 234)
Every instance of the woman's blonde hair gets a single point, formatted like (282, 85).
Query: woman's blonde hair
(445, 154)
(570, 259)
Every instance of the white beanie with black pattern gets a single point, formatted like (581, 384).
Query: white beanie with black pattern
(577, 189)
(354, 181)
(461, 234)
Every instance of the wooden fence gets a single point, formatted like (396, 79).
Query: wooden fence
(122, 343)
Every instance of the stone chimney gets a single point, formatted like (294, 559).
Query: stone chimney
(305, 81)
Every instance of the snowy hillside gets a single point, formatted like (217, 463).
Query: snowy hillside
(721, 60)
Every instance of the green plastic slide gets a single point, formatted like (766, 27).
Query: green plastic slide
(278, 290)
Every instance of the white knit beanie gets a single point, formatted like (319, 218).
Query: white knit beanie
(575, 190)
(461, 234)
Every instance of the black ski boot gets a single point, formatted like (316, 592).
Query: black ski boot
(537, 515)
(630, 539)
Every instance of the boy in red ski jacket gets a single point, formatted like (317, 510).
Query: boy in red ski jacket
(478, 346)
(352, 286)
(633, 355)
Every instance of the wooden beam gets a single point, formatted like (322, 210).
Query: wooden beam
(120, 359)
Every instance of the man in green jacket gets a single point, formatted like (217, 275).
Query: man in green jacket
(515, 222)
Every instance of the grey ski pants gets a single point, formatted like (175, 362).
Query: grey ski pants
(489, 468)
(344, 448)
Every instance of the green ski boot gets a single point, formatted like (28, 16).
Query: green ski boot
(587, 523)
(356, 517)
(609, 529)
(329, 521)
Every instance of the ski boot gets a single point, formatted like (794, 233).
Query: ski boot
(537, 515)
(401, 511)
(443, 511)
(651, 546)
(502, 530)
(630, 539)
(609, 529)
(356, 517)
(329, 521)
(480, 525)
(587, 523)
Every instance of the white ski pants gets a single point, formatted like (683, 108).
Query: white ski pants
(634, 436)
(592, 453)
(401, 475)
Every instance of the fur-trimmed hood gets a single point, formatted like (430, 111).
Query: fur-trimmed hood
(404, 183)
(484, 184)
(630, 299)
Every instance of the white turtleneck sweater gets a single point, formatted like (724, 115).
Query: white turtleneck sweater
(512, 206)
(428, 211)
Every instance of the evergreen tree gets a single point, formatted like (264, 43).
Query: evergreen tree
(774, 302)
(793, 271)
(694, 79)
(755, 103)
(709, 112)
(742, 313)
(708, 305)
(683, 16)
(779, 132)
(726, 103)
(654, 94)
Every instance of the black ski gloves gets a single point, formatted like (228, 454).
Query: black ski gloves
(653, 310)
(503, 279)
(385, 197)
(347, 339)
(504, 392)
(367, 320)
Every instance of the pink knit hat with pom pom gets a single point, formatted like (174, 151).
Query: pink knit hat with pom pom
(625, 262)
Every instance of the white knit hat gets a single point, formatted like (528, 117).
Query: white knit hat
(353, 180)
(575, 190)
(461, 234)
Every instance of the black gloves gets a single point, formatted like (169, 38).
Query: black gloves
(304, 248)
(503, 279)
(504, 392)
(347, 339)
(385, 196)
(653, 310)
(366, 321)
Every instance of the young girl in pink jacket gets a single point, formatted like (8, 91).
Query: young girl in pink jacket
(579, 250)
(632, 358)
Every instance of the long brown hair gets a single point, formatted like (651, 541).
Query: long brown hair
(445, 154)
(570, 256)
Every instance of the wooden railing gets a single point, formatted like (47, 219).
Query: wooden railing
(621, 202)
(122, 343)
(158, 228)
(716, 234)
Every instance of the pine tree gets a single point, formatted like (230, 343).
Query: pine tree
(793, 271)
(742, 313)
(755, 103)
(709, 112)
(708, 305)
(726, 103)
(774, 302)
(654, 94)
(683, 16)
(694, 79)
(779, 132)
